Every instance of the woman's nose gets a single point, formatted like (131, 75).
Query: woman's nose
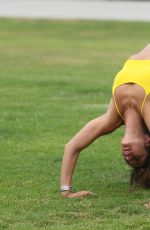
(125, 143)
(126, 148)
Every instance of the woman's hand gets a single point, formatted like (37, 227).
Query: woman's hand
(80, 194)
(147, 205)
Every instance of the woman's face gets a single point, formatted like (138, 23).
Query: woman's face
(134, 152)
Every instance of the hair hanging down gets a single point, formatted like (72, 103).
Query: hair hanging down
(141, 176)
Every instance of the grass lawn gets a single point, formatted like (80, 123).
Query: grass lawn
(54, 77)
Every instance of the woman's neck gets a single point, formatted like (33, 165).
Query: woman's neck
(133, 123)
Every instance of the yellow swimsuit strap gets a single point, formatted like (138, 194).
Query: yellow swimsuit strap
(117, 108)
(143, 103)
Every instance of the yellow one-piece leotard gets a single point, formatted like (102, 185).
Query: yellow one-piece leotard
(133, 71)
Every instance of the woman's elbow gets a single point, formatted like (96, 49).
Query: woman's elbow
(71, 147)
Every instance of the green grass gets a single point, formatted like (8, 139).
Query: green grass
(54, 77)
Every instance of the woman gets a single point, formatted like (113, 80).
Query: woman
(129, 106)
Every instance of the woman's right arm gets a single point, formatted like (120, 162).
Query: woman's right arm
(91, 131)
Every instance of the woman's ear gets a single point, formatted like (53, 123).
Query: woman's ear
(147, 141)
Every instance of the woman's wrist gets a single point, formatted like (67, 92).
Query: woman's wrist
(65, 188)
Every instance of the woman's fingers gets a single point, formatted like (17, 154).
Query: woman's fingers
(147, 205)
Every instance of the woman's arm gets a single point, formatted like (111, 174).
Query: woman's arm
(92, 130)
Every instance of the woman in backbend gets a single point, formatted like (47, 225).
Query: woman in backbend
(129, 106)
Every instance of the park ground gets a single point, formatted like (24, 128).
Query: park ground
(54, 77)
